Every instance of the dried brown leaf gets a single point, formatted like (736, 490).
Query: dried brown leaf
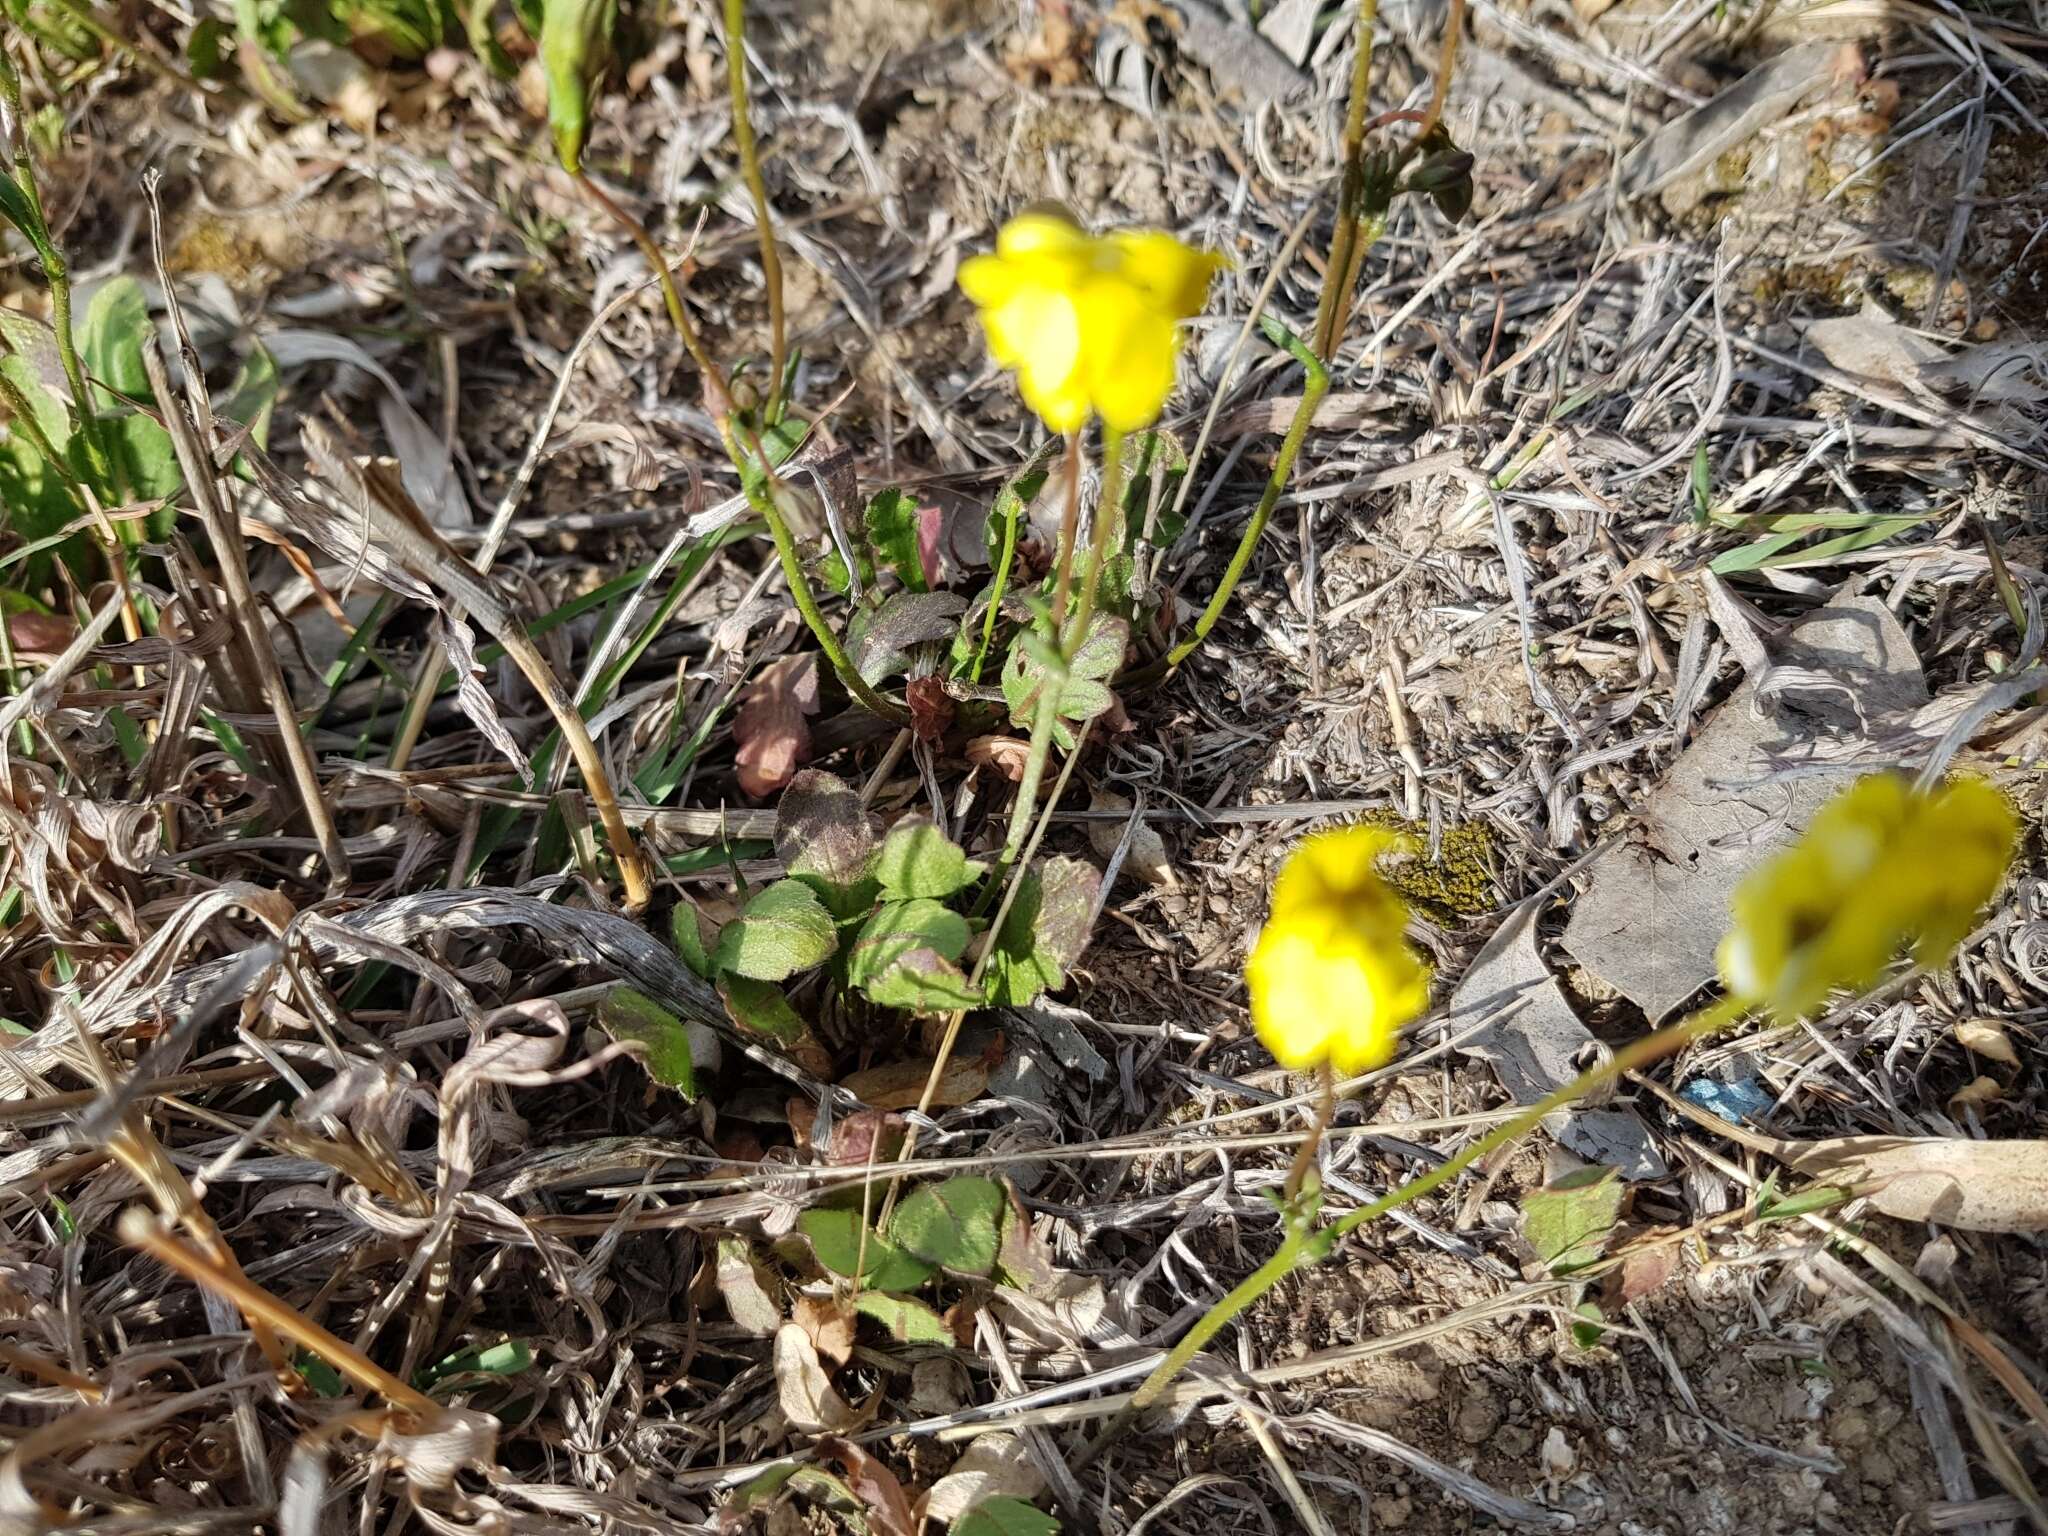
(900, 1084)
(1987, 1038)
(829, 1325)
(1007, 755)
(772, 728)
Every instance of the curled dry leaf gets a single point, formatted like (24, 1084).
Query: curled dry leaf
(1146, 855)
(931, 707)
(809, 1400)
(40, 634)
(993, 1466)
(745, 1289)
(888, 1507)
(1007, 755)
(1980, 1186)
(829, 1324)
(1987, 1038)
(772, 728)
(455, 1440)
(1979, 1090)
(855, 1138)
(900, 1085)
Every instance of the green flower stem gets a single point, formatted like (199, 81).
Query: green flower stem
(1350, 191)
(1312, 1247)
(757, 188)
(761, 496)
(760, 489)
(1108, 519)
(1314, 388)
(1045, 714)
(1001, 584)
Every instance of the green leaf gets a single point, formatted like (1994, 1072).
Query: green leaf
(1156, 459)
(908, 1321)
(882, 1265)
(1045, 933)
(1018, 493)
(881, 639)
(111, 336)
(1593, 1327)
(1085, 692)
(906, 955)
(821, 832)
(1816, 1197)
(20, 212)
(110, 342)
(253, 396)
(209, 48)
(323, 1378)
(1569, 1220)
(892, 526)
(62, 1219)
(956, 1225)
(1005, 1516)
(506, 1358)
(627, 1014)
(783, 930)
(917, 859)
(759, 1010)
(575, 47)
(686, 933)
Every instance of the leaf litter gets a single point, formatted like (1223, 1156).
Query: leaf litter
(301, 1054)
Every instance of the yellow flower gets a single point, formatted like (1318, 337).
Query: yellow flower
(1884, 866)
(1090, 322)
(1331, 977)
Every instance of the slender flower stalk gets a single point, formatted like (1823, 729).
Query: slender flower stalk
(757, 187)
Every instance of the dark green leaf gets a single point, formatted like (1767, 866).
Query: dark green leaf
(686, 932)
(1085, 693)
(880, 639)
(821, 831)
(760, 1011)
(956, 1225)
(627, 1014)
(836, 1238)
(1045, 933)
(917, 859)
(783, 930)
(908, 1321)
(892, 529)
(1570, 1219)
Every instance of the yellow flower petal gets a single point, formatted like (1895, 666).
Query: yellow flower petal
(1881, 868)
(990, 280)
(1332, 977)
(1173, 277)
(1087, 321)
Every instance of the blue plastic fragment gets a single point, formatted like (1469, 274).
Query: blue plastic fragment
(1735, 1102)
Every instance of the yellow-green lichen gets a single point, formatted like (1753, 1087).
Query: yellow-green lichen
(1457, 883)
